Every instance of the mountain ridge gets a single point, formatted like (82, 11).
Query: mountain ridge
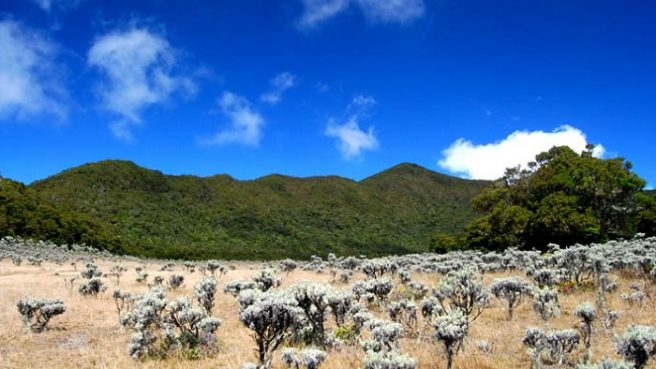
(396, 210)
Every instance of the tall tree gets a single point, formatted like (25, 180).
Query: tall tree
(562, 197)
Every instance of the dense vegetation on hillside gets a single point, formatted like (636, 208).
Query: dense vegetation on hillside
(395, 211)
(562, 197)
(24, 213)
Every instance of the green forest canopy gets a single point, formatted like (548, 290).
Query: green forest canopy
(562, 197)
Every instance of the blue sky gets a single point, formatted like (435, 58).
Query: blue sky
(313, 87)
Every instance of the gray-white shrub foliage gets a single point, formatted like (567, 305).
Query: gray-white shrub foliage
(376, 268)
(236, 287)
(117, 271)
(430, 307)
(606, 364)
(175, 281)
(266, 279)
(288, 265)
(451, 330)
(513, 290)
(553, 347)
(388, 360)
(635, 297)
(548, 276)
(637, 345)
(546, 303)
(312, 298)
(271, 318)
(92, 287)
(340, 303)
(384, 335)
(36, 312)
(91, 270)
(588, 314)
(464, 290)
(161, 326)
(142, 277)
(213, 266)
(123, 300)
(403, 311)
(379, 288)
(308, 358)
(204, 292)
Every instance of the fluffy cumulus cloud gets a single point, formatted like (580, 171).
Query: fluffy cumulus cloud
(138, 68)
(279, 84)
(377, 11)
(245, 124)
(28, 77)
(489, 161)
(351, 139)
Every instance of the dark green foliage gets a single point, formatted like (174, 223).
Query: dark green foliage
(564, 198)
(24, 213)
(396, 211)
(442, 243)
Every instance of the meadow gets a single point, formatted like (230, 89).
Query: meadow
(392, 294)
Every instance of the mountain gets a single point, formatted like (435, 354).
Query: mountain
(158, 215)
(23, 212)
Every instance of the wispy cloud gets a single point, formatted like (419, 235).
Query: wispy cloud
(245, 124)
(392, 11)
(28, 78)
(138, 68)
(351, 139)
(48, 5)
(316, 12)
(279, 84)
(363, 102)
(489, 161)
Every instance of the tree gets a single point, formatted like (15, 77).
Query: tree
(442, 243)
(563, 198)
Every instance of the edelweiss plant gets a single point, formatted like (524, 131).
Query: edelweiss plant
(546, 304)
(92, 287)
(36, 313)
(175, 281)
(587, 313)
(513, 290)
(606, 364)
(451, 329)
(637, 345)
(465, 291)
(312, 298)
(271, 318)
(265, 279)
(388, 360)
(204, 291)
(309, 358)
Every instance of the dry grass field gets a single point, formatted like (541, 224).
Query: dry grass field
(88, 334)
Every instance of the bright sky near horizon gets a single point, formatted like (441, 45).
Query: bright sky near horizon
(314, 87)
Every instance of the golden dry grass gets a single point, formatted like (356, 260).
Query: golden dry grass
(88, 334)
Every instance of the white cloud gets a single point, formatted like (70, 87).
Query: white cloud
(363, 102)
(279, 84)
(379, 11)
(138, 66)
(48, 5)
(351, 140)
(28, 83)
(245, 124)
(489, 161)
(317, 11)
(392, 11)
